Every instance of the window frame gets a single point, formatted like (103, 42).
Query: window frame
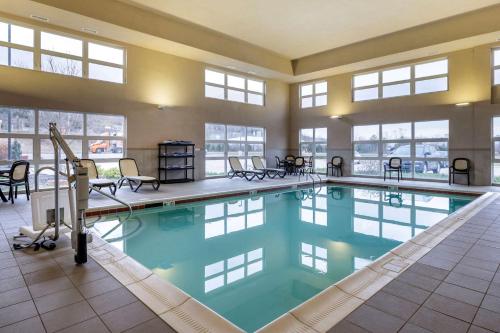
(38, 52)
(412, 80)
(37, 161)
(494, 160)
(493, 66)
(314, 143)
(226, 143)
(313, 95)
(246, 92)
(412, 142)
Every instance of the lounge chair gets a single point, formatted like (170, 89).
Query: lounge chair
(238, 171)
(460, 166)
(130, 173)
(94, 179)
(270, 172)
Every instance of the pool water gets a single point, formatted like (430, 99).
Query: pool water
(251, 259)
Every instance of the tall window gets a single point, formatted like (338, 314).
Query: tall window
(313, 142)
(222, 141)
(96, 136)
(423, 147)
(313, 94)
(408, 80)
(496, 150)
(233, 87)
(60, 53)
(496, 67)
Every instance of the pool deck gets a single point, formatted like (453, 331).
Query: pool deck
(454, 286)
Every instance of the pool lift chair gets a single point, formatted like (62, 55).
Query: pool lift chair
(46, 228)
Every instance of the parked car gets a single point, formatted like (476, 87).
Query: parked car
(422, 151)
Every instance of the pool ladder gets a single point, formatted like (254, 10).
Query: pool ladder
(319, 180)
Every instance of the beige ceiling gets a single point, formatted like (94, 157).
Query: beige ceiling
(298, 28)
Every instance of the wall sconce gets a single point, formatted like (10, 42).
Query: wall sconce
(335, 117)
(162, 107)
(463, 104)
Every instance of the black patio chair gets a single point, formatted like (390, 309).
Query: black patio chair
(459, 166)
(336, 165)
(17, 176)
(395, 165)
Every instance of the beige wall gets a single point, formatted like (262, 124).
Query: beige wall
(470, 127)
(153, 79)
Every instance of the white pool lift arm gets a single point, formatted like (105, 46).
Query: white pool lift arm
(79, 235)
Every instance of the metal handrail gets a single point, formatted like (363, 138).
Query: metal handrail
(37, 173)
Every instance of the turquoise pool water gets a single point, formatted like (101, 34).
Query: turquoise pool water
(251, 259)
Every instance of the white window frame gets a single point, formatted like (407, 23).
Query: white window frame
(313, 143)
(245, 90)
(412, 81)
(412, 142)
(226, 143)
(313, 95)
(38, 52)
(36, 162)
(493, 158)
(493, 66)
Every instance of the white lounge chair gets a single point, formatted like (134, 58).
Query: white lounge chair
(270, 172)
(238, 171)
(130, 173)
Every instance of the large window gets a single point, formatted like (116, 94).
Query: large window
(496, 67)
(222, 141)
(423, 147)
(313, 142)
(496, 150)
(408, 80)
(235, 88)
(61, 54)
(313, 94)
(96, 136)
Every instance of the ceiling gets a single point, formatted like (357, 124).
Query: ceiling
(298, 28)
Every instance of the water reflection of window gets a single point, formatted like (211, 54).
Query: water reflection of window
(366, 209)
(432, 202)
(314, 210)
(106, 228)
(372, 195)
(233, 269)
(314, 257)
(366, 227)
(428, 218)
(225, 218)
(398, 214)
(400, 233)
(359, 263)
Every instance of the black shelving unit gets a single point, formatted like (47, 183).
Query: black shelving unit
(175, 162)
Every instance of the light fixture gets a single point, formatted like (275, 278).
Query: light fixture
(162, 107)
(461, 105)
(230, 67)
(252, 73)
(39, 18)
(90, 31)
(336, 117)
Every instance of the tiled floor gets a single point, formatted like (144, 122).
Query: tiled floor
(44, 291)
(455, 287)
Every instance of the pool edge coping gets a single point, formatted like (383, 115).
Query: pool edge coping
(181, 311)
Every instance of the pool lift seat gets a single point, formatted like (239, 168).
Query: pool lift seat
(47, 227)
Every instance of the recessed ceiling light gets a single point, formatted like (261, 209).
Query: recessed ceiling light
(462, 104)
(335, 117)
(39, 18)
(90, 31)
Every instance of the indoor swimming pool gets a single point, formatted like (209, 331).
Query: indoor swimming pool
(252, 259)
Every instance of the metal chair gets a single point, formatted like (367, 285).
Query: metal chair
(336, 165)
(300, 165)
(18, 176)
(459, 166)
(395, 165)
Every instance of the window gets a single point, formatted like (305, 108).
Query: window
(496, 150)
(313, 94)
(234, 88)
(401, 81)
(231, 270)
(101, 137)
(222, 141)
(423, 147)
(313, 143)
(496, 67)
(60, 54)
